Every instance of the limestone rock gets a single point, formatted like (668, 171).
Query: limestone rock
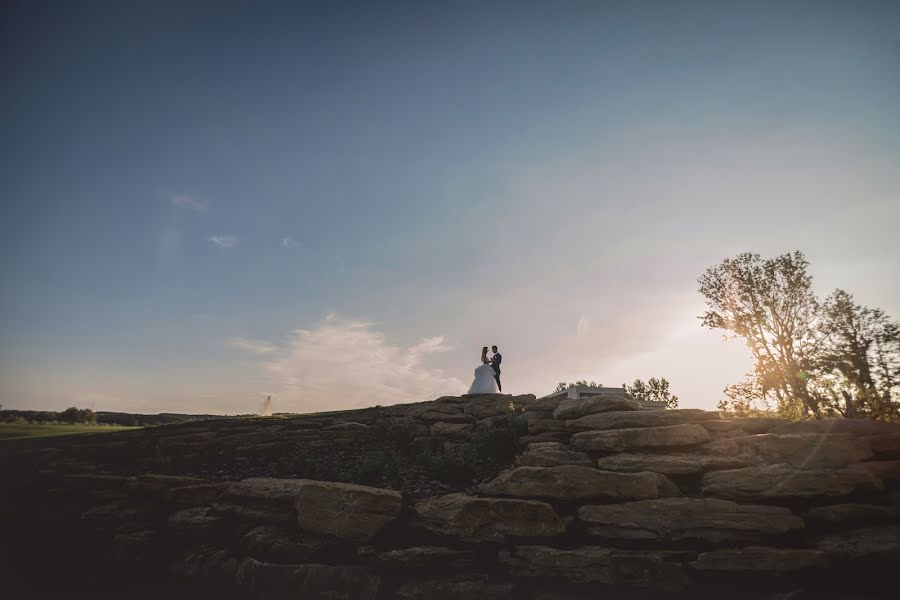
(674, 519)
(197, 523)
(755, 425)
(482, 410)
(265, 580)
(575, 409)
(888, 471)
(455, 587)
(260, 499)
(760, 559)
(592, 564)
(195, 495)
(666, 488)
(473, 519)
(345, 510)
(453, 430)
(420, 557)
(440, 417)
(857, 427)
(151, 483)
(887, 444)
(696, 415)
(620, 440)
(783, 481)
(268, 543)
(541, 438)
(571, 482)
(546, 404)
(669, 464)
(718, 426)
(552, 454)
(625, 420)
(841, 514)
(348, 426)
(880, 541)
(546, 425)
(136, 547)
(801, 450)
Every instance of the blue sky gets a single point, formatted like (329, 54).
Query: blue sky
(339, 203)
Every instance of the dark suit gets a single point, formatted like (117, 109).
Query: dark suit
(496, 359)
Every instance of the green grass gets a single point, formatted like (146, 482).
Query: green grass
(9, 431)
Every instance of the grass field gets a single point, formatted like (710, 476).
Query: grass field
(10, 431)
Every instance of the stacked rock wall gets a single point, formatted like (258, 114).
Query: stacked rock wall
(607, 500)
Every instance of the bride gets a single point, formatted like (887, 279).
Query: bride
(484, 377)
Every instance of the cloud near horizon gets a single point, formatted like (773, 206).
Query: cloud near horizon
(345, 363)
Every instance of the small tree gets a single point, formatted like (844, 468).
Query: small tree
(859, 374)
(655, 390)
(769, 303)
(563, 386)
(70, 415)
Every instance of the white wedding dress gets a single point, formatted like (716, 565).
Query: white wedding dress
(484, 381)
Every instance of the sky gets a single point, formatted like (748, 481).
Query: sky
(339, 203)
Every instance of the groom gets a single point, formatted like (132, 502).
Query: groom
(496, 359)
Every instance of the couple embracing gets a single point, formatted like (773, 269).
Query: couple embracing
(487, 376)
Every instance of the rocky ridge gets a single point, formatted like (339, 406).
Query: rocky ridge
(605, 499)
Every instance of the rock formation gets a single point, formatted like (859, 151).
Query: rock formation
(606, 500)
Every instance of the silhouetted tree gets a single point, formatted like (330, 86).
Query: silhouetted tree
(563, 386)
(812, 358)
(656, 390)
(859, 373)
(769, 303)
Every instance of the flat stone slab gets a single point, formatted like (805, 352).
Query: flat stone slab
(419, 557)
(345, 510)
(260, 499)
(270, 543)
(697, 415)
(885, 444)
(669, 464)
(594, 564)
(571, 482)
(867, 542)
(552, 454)
(800, 450)
(674, 519)
(760, 559)
(832, 426)
(473, 519)
(783, 481)
(842, 514)
(888, 471)
(620, 440)
(625, 420)
(546, 425)
(575, 409)
(755, 425)
(453, 430)
(455, 587)
(442, 417)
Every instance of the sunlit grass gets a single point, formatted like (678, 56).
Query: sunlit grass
(9, 431)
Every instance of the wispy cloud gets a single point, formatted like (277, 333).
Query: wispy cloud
(289, 242)
(223, 241)
(346, 363)
(188, 202)
(254, 346)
